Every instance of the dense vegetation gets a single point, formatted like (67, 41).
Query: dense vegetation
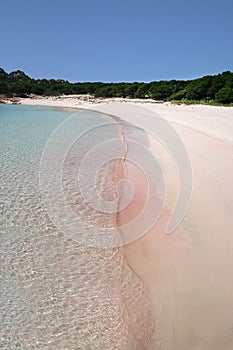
(211, 89)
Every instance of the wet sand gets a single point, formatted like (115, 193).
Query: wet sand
(189, 273)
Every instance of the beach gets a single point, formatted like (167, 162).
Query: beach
(189, 272)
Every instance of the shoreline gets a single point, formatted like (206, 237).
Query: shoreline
(182, 269)
(173, 113)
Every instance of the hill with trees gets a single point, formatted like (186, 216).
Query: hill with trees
(208, 89)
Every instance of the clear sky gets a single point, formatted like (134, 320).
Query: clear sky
(123, 40)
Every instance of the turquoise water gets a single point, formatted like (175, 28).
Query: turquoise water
(57, 293)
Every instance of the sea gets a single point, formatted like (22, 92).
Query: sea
(61, 287)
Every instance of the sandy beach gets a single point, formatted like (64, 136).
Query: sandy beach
(189, 272)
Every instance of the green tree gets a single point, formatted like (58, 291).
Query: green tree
(142, 91)
(225, 95)
(178, 95)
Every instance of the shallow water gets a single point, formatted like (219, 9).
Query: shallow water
(56, 292)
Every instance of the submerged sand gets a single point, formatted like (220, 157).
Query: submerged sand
(188, 273)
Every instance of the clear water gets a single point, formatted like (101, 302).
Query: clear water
(57, 293)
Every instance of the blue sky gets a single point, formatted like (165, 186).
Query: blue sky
(81, 40)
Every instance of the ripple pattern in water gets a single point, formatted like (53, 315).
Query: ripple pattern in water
(57, 294)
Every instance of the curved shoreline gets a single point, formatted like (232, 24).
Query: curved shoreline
(139, 317)
(188, 273)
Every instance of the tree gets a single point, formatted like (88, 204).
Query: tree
(142, 91)
(216, 84)
(209, 87)
(178, 95)
(225, 95)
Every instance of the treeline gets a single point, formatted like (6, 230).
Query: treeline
(211, 89)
